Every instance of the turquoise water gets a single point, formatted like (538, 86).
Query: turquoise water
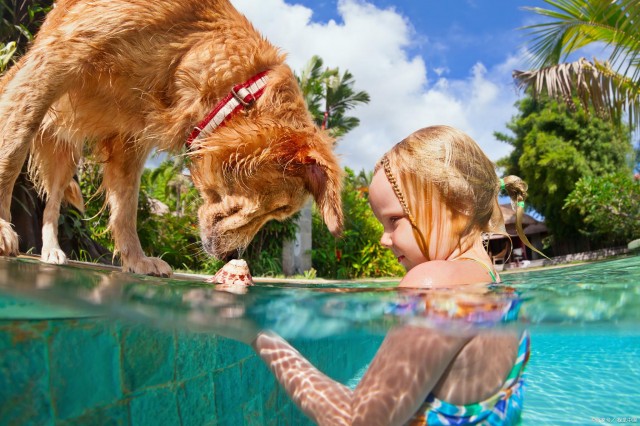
(87, 346)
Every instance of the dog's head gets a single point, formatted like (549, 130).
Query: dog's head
(264, 165)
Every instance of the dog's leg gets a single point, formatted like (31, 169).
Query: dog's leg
(52, 167)
(121, 181)
(39, 80)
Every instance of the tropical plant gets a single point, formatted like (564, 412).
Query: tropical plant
(330, 95)
(6, 54)
(358, 253)
(610, 206)
(171, 185)
(21, 20)
(552, 150)
(611, 86)
(264, 254)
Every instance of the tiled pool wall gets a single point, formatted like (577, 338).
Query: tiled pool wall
(98, 371)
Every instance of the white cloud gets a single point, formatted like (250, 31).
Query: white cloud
(373, 45)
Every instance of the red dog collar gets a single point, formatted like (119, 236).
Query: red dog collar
(241, 96)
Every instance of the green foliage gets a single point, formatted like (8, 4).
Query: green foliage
(20, 21)
(170, 184)
(95, 212)
(358, 252)
(553, 149)
(329, 96)
(264, 254)
(610, 86)
(609, 205)
(6, 54)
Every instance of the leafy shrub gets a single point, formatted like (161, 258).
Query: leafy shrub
(358, 253)
(609, 205)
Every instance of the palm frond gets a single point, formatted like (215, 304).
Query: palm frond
(595, 84)
(577, 23)
(340, 95)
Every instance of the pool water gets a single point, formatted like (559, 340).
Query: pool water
(88, 346)
(583, 377)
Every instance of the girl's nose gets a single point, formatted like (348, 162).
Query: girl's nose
(385, 240)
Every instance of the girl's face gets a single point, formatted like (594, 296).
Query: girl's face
(398, 232)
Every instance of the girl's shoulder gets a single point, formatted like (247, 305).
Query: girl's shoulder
(430, 274)
(446, 273)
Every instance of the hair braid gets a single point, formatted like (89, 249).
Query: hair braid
(396, 189)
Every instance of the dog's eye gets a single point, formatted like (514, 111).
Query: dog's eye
(212, 195)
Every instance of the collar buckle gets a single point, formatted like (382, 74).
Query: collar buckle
(247, 100)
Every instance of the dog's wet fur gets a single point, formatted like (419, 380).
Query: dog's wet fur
(126, 77)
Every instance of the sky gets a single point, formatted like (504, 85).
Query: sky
(423, 62)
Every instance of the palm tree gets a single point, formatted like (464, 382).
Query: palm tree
(611, 86)
(310, 81)
(329, 96)
(339, 97)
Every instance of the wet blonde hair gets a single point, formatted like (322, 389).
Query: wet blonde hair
(441, 162)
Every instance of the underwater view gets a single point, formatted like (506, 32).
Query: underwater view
(84, 345)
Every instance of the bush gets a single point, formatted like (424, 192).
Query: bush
(358, 253)
(609, 206)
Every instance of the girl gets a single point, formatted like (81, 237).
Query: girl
(436, 194)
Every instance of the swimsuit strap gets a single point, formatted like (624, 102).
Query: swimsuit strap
(487, 267)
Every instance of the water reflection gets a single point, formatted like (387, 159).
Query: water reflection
(446, 364)
(441, 355)
(487, 322)
(550, 297)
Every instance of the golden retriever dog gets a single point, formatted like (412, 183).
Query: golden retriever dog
(128, 76)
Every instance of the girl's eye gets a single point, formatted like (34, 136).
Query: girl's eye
(394, 219)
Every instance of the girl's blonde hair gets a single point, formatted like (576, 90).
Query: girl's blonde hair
(443, 162)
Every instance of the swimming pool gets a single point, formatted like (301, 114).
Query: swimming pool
(89, 346)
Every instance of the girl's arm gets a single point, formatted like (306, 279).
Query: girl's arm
(409, 363)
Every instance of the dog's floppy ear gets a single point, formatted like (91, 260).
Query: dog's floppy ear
(324, 181)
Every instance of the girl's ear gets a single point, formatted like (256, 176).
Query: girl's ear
(323, 180)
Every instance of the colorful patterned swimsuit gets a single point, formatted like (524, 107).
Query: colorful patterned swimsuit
(503, 408)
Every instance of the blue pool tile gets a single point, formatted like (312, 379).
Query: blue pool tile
(231, 351)
(250, 373)
(196, 354)
(24, 377)
(114, 415)
(228, 395)
(269, 404)
(253, 415)
(85, 366)
(234, 417)
(196, 402)
(155, 407)
(148, 357)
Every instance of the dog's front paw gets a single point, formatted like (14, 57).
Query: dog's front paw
(54, 256)
(148, 266)
(8, 239)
